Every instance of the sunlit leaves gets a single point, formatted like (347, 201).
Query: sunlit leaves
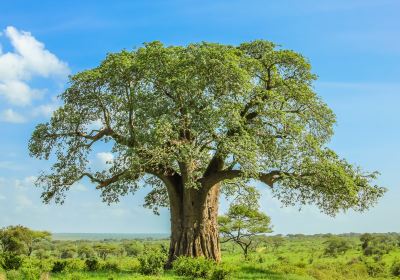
(170, 110)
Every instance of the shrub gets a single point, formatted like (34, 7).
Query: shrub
(75, 276)
(72, 265)
(31, 269)
(396, 268)
(132, 265)
(134, 248)
(111, 265)
(375, 268)
(193, 267)
(58, 266)
(10, 261)
(92, 264)
(13, 275)
(152, 262)
(221, 272)
(336, 246)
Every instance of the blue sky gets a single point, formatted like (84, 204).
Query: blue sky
(354, 47)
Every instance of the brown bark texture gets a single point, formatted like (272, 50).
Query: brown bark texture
(194, 226)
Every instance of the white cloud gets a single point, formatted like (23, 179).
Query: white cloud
(25, 183)
(45, 110)
(105, 158)
(28, 60)
(9, 115)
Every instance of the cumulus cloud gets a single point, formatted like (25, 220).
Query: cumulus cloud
(9, 115)
(45, 109)
(29, 59)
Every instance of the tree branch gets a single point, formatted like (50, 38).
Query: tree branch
(267, 178)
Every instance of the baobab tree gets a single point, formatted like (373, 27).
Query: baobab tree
(188, 120)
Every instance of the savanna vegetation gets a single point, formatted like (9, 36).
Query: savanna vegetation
(275, 257)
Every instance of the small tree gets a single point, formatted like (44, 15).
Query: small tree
(336, 246)
(377, 244)
(104, 250)
(242, 224)
(274, 242)
(20, 240)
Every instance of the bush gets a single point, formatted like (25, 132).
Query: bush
(375, 268)
(396, 268)
(10, 261)
(152, 262)
(193, 267)
(72, 265)
(13, 275)
(31, 269)
(58, 266)
(336, 246)
(111, 265)
(92, 264)
(221, 272)
(134, 248)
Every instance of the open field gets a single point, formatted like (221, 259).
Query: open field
(295, 257)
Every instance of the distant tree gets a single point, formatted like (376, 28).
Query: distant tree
(242, 224)
(336, 246)
(133, 248)
(68, 252)
(189, 119)
(21, 240)
(274, 242)
(104, 250)
(86, 252)
(377, 244)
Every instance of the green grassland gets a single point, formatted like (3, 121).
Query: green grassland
(295, 257)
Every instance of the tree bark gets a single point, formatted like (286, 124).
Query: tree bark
(194, 226)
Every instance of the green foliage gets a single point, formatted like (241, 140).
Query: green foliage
(375, 269)
(14, 275)
(221, 272)
(86, 252)
(104, 250)
(111, 265)
(201, 268)
(133, 248)
(176, 110)
(242, 225)
(72, 265)
(377, 244)
(336, 246)
(68, 252)
(59, 266)
(10, 261)
(152, 262)
(290, 262)
(20, 240)
(395, 269)
(193, 267)
(92, 264)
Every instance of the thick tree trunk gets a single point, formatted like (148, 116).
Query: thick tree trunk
(194, 227)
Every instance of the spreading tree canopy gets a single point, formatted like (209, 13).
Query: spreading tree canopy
(242, 225)
(190, 120)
